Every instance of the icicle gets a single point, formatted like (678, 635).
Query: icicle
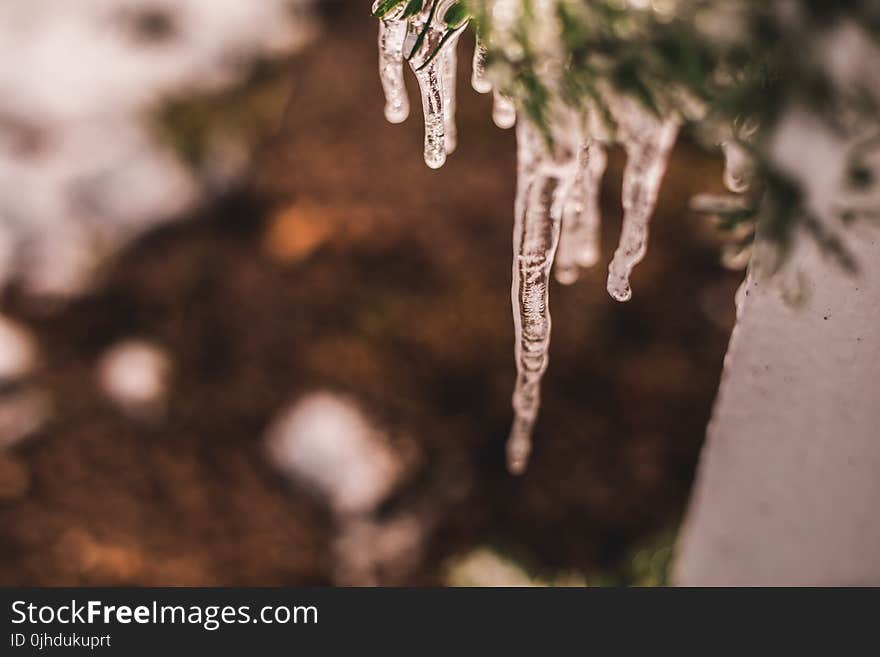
(479, 81)
(392, 31)
(433, 60)
(543, 183)
(450, 65)
(648, 141)
(579, 240)
(503, 110)
(737, 167)
(738, 164)
(430, 81)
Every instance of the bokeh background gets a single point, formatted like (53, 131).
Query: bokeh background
(247, 337)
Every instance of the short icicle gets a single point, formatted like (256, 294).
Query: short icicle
(503, 110)
(479, 81)
(581, 219)
(430, 81)
(449, 59)
(648, 141)
(739, 166)
(433, 60)
(421, 40)
(543, 182)
(392, 32)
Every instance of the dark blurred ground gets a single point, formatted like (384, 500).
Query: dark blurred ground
(346, 264)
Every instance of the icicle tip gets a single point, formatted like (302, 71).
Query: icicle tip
(519, 447)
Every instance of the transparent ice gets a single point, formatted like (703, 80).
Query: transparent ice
(559, 176)
(392, 31)
(647, 140)
(579, 241)
(426, 42)
(544, 180)
(479, 81)
(503, 110)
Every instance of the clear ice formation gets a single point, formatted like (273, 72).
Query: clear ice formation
(392, 31)
(479, 81)
(579, 241)
(557, 213)
(426, 43)
(544, 180)
(449, 62)
(737, 167)
(738, 163)
(647, 141)
(503, 110)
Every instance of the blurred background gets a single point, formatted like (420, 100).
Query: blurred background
(247, 337)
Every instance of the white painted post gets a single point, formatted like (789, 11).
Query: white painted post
(788, 488)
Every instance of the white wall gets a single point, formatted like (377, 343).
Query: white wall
(788, 487)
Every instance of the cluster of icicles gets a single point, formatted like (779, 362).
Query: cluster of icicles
(557, 200)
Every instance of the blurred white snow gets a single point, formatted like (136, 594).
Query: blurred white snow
(325, 443)
(80, 172)
(134, 374)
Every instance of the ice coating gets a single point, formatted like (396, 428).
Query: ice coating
(647, 141)
(581, 218)
(392, 32)
(544, 180)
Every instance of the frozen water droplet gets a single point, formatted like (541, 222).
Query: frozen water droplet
(566, 274)
(479, 81)
(503, 111)
(392, 32)
(647, 141)
(579, 240)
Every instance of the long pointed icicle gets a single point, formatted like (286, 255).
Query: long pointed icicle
(648, 142)
(392, 32)
(542, 186)
(581, 219)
